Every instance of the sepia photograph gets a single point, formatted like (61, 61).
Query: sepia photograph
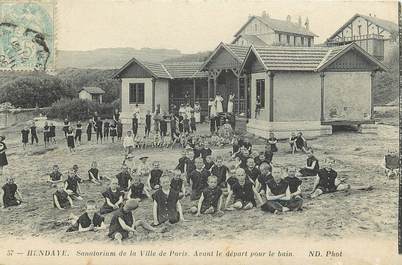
(178, 131)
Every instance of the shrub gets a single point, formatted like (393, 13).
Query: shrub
(78, 109)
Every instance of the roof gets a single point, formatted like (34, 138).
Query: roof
(237, 51)
(276, 58)
(279, 25)
(185, 69)
(253, 39)
(170, 70)
(93, 90)
(385, 24)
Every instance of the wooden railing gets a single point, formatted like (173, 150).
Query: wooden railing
(204, 104)
(355, 38)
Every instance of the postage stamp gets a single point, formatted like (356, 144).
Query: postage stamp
(27, 35)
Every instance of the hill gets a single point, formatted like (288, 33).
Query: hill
(111, 58)
(196, 57)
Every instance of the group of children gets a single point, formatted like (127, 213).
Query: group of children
(252, 180)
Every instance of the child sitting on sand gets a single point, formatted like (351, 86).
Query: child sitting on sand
(243, 193)
(211, 198)
(154, 176)
(278, 195)
(312, 165)
(55, 176)
(166, 205)
(198, 179)
(123, 222)
(137, 189)
(124, 178)
(72, 186)
(220, 171)
(10, 193)
(177, 182)
(327, 181)
(61, 199)
(93, 174)
(113, 198)
(90, 220)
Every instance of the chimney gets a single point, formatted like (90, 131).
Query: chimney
(299, 21)
(264, 14)
(307, 24)
(288, 18)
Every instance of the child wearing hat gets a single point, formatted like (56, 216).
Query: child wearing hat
(10, 194)
(123, 222)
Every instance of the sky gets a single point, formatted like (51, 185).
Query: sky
(193, 25)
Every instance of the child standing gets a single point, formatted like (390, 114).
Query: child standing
(113, 198)
(119, 130)
(163, 124)
(106, 126)
(61, 199)
(98, 128)
(113, 131)
(89, 131)
(70, 140)
(11, 196)
(128, 143)
(134, 124)
(24, 136)
(78, 132)
(211, 198)
(148, 118)
(273, 141)
(166, 206)
(3, 155)
(46, 134)
(193, 123)
(66, 125)
(52, 133)
(34, 136)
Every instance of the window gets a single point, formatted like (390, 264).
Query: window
(261, 91)
(279, 37)
(302, 41)
(309, 42)
(288, 39)
(136, 93)
(256, 28)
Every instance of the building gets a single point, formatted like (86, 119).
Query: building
(156, 86)
(264, 30)
(309, 89)
(376, 36)
(94, 94)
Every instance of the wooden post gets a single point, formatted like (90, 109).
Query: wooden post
(193, 92)
(215, 77)
(238, 95)
(322, 75)
(271, 96)
(209, 86)
(153, 94)
(120, 96)
(372, 95)
(245, 80)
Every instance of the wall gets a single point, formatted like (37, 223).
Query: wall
(297, 96)
(161, 94)
(129, 108)
(14, 116)
(85, 95)
(347, 96)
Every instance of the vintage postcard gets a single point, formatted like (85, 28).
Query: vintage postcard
(199, 132)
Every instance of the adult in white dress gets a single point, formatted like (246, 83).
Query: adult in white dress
(219, 100)
(197, 111)
(231, 103)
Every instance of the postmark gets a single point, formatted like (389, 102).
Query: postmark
(27, 35)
